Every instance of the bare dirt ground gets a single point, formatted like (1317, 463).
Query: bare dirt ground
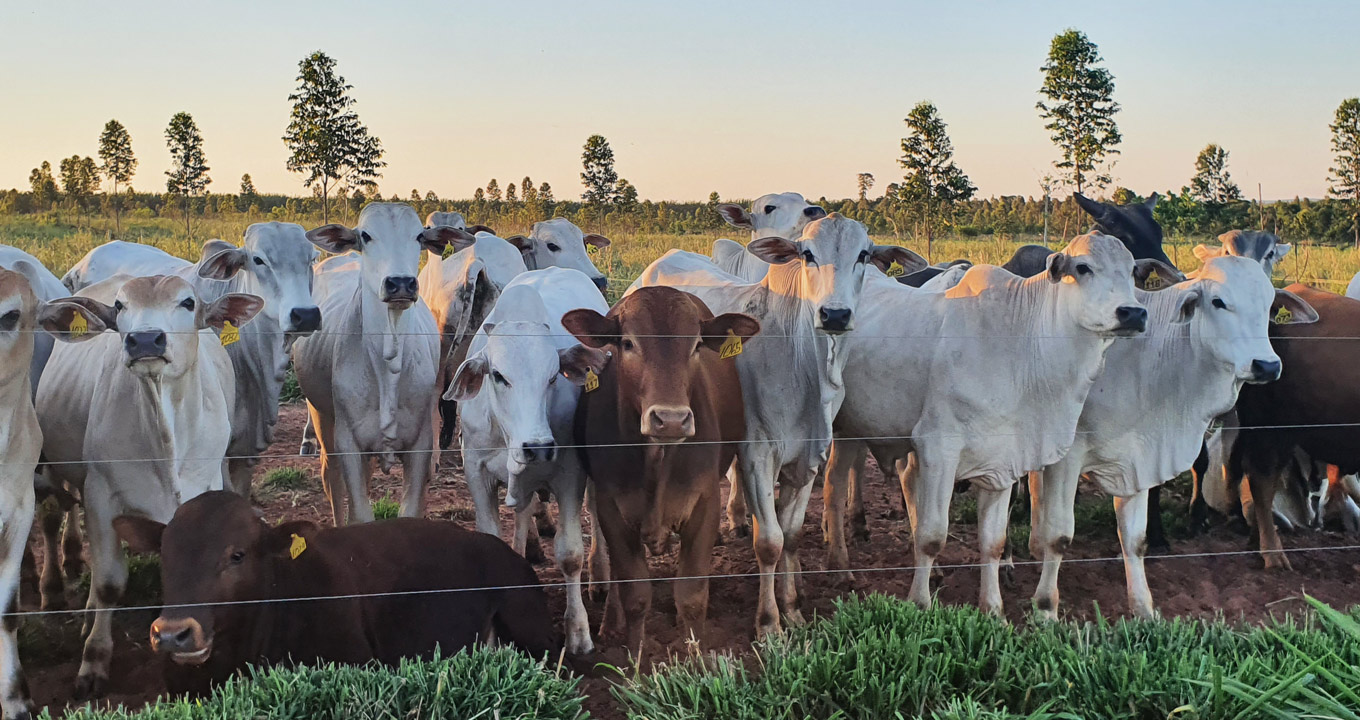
(1184, 583)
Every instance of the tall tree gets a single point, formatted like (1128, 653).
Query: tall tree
(115, 149)
(44, 186)
(599, 176)
(527, 189)
(478, 196)
(1212, 184)
(188, 173)
(324, 136)
(511, 194)
(932, 184)
(863, 182)
(1345, 175)
(1080, 109)
(545, 194)
(493, 191)
(248, 196)
(625, 196)
(79, 179)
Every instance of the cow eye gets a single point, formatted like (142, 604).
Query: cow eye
(552, 380)
(258, 261)
(1083, 269)
(1218, 303)
(499, 378)
(627, 344)
(118, 306)
(9, 320)
(863, 257)
(769, 209)
(188, 304)
(363, 235)
(238, 557)
(808, 257)
(552, 247)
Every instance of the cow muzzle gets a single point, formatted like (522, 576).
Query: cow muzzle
(1264, 371)
(399, 290)
(835, 320)
(536, 452)
(182, 639)
(144, 345)
(668, 423)
(304, 320)
(1130, 319)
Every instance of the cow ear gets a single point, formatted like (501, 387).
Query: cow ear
(1300, 312)
(1190, 303)
(279, 539)
(773, 250)
(1282, 249)
(1204, 252)
(235, 308)
(474, 229)
(58, 316)
(334, 238)
(525, 247)
(884, 256)
(1056, 266)
(435, 239)
(140, 534)
(578, 360)
(591, 328)
(736, 216)
(596, 239)
(716, 330)
(1144, 269)
(467, 382)
(220, 260)
(1151, 201)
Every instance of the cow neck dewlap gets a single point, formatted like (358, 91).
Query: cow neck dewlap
(791, 320)
(1057, 334)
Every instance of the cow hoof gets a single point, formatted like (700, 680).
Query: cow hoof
(1278, 561)
(533, 552)
(860, 533)
(308, 449)
(741, 531)
(90, 687)
(794, 618)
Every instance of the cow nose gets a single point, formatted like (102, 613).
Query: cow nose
(1265, 370)
(399, 288)
(539, 452)
(835, 319)
(601, 282)
(1131, 317)
(812, 212)
(304, 319)
(173, 636)
(670, 423)
(145, 344)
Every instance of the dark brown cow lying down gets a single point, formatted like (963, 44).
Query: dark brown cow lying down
(216, 549)
(672, 406)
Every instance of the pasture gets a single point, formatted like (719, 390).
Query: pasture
(1261, 652)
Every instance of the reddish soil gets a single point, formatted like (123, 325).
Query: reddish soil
(1235, 585)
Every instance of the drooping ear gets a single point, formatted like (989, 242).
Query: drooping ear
(435, 239)
(1191, 300)
(883, 256)
(57, 317)
(715, 330)
(526, 249)
(1300, 312)
(467, 382)
(591, 328)
(596, 239)
(1166, 275)
(478, 295)
(236, 308)
(140, 534)
(1056, 265)
(334, 238)
(279, 539)
(577, 360)
(736, 216)
(1204, 252)
(773, 250)
(221, 260)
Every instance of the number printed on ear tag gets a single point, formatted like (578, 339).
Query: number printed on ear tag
(298, 547)
(230, 333)
(1282, 317)
(1153, 281)
(731, 347)
(896, 269)
(78, 326)
(592, 381)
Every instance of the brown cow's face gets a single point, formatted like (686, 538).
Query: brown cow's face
(215, 550)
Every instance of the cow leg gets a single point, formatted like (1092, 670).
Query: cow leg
(1199, 508)
(628, 563)
(994, 508)
(1156, 534)
(598, 558)
(483, 487)
(417, 466)
(108, 579)
(309, 446)
(859, 522)
(758, 476)
(1132, 512)
(16, 520)
(355, 471)
(736, 502)
(53, 585)
(928, 495)
(698, 534)
(239, 474)
(839, 474)
(1344, 490)
(792, 508)
(569, 547)
(1263, 487)
(1053, 496)
(72, 548)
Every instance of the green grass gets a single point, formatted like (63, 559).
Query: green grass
(385, 508)
(286, 478)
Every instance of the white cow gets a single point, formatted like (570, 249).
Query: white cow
(137, 420)
(775, 215)
(559, 243)
(118, 257)
(369, 374)
(46, 287)
(987, 382)
(1145, 417)
(517, 417)
(790, 373)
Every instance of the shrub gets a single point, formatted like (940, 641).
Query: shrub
(285, 478)
(385, 508)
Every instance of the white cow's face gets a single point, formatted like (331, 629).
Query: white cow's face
(389, 239)
(559, 243)
(1229, 307)
(832, 256)
(447, 219)
(17, 307)
(776, 215)
(276, 262)
(1095, 276)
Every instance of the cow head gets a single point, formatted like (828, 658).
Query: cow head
(658, 337)
(1259, 245)
(389, 239)
(827, 267)
(775, 215)
(1230, 305)
(1094, 274)
(559, 243)
(157, 319)
(275, 263)
(1133, 224)
(214, 550)
(446, 219)
(519, 369)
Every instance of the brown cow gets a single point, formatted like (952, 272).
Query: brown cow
(658, 434)
(217, 550)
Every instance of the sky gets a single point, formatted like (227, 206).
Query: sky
(742, 98)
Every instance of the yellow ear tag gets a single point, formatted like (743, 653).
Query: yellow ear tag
(1153, 281)
(1283, 316)
(731, 347)
(592, 381)
(298, 547)
(78, 326)
(230, 333)
(896, 269)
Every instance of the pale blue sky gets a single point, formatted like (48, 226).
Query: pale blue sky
(739, 97)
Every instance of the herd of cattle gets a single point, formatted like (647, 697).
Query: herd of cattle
(161, 391)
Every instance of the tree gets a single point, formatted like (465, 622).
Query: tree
(430, 197)
(511, 195)
(115, 149)
(44, 186)
(324, 135)
(625, 196)
(932, 184)
(493, 191)
(248, 195)
(1080, 109)
(545, 194)
(527, 189)
(478, 196)
(1212, 184)
(188, 173)
(599, 177)
(79, 179)
(1345, 175)
(863, 182)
